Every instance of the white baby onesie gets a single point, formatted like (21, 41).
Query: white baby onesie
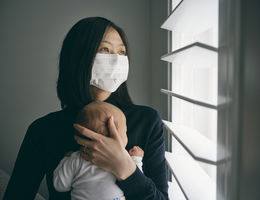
(86, 180)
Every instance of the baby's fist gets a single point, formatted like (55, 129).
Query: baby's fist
(136, 151)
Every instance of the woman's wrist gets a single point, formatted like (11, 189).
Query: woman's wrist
(127, 170)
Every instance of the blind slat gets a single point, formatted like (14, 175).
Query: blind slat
(195, 74)
(196, 144)
(200, 103)
(190, 15)
(195, 183)
(169, 57)
(175, 192)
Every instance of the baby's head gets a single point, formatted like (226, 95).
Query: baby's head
(95, 115)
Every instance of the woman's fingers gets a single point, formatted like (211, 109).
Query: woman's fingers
(83, 142)
(112, 129)
(86, 132)
(89, 155)
(86, 150)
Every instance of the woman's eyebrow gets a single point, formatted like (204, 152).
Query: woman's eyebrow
(105, 41)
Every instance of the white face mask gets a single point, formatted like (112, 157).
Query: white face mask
(109, 71)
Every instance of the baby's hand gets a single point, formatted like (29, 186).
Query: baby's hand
(136, 151)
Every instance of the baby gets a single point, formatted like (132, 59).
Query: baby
(84, 179)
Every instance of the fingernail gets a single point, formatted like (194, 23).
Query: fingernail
(112, 118)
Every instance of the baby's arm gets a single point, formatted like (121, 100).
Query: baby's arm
(137, 155)
(64, 173)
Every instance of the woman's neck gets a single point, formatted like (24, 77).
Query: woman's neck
(98, 94)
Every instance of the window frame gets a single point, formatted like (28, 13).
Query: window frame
(228, 88)
(229, 81)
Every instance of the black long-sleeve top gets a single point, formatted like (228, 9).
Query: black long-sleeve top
(48, 139)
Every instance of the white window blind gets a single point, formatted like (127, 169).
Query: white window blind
(195, 102)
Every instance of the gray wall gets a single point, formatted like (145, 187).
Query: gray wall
(158, 42)
(31, 34)
(248, 163)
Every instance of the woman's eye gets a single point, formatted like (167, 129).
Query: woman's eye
(104, 49)
(121, 52)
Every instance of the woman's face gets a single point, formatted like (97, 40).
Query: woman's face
(111, 43)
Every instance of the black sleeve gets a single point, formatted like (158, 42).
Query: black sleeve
(153, 184)
(29, 170)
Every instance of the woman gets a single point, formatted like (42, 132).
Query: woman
(92, 41)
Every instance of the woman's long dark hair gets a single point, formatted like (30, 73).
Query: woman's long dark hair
(78, 51)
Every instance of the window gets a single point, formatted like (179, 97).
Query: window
(196, 106)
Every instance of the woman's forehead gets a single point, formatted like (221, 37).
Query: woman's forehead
(112, 37)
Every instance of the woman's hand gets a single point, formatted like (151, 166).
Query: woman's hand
(107, 153)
